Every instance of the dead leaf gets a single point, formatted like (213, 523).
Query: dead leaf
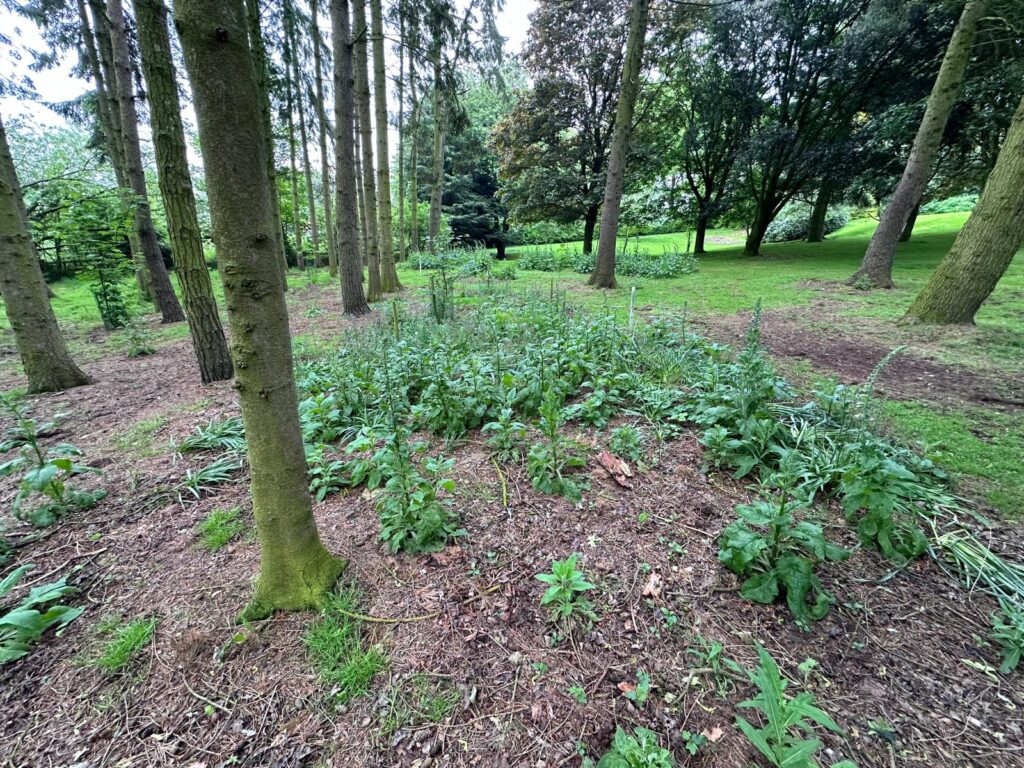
(626, 687)
(616, 467)
(713, 734)
(653, 586)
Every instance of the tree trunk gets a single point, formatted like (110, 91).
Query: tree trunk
(259, 53)
(296, 571)
(700, 234)
(589, 225)
(176, 190)
(325, 171)
(358, 164)
(816, 225)
(142, 218)
(307, 169)
(603, 275)
(388, 275)
(293, 164)
(414, 191)
(437, 180)
(908, 229)
(762, 219)
(373, 288)
(44, 356)
(985, 246)
(352, 299)
(401, 133)
(104, 77)
(876, 268)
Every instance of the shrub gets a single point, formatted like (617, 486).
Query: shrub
(548, 259)
(956, 204)
(793, 220)
(671, 262)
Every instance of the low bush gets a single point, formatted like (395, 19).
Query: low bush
(956, 204)
(793, 221)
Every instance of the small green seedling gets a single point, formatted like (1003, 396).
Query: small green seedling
(563, 597)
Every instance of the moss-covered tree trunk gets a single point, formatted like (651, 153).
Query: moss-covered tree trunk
(388, 275)
(876, 267)
(295, 568)
(44, 356)
(371, 234)
(603, 275)
(353, 301)
(816, 224)
(142, 218)
(985, 246)
(259, 53)
(300, 105)
(437, 174)
(321, 117)
(176, 190)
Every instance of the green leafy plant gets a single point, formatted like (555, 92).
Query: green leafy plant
(326, 474)
(46, 473)
(637, 750)
(578, 693)
(219, 471)
(140, 340)
(126, 642)
(775, 554)
(564, 595)
(23, 625)
(219, 528)
(225, 435)
(638, 693)
(787, 738)
(507, 436)
(693, 742)
(548, 462)
(106, 289)
(626, 442)
(1008, 633)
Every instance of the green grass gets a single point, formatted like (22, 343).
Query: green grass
(981, 447)
(220, 527)
(344, 663)
(139, 438)
(127, 640)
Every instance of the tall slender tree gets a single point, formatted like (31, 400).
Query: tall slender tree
(293, 164)
(176, 190)
(603, 275)
(353, 301)
(401, 132)
(291, 21)
(371, 234)
(142, 217)
(438, 113)
(388, 275)
(986, 245)
(44, 355)
(322, 131)
(296, 571)
(414, 194)
(876, 267)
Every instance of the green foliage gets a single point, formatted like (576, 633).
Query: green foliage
(546, 259)
(955, 204)
(793, 222)
(413, 517)
(126, 641)
(219, 471)
(564, 595)
(140, 340)
(638, 694)
(547, 462)
(627, 442)
(225, 435)
(505, 272)
(23, 625)
(507, 436)
(1008, 633)
(671, 262)
(787, 738)
(326, 473)
(344, 662)
(637, 750)
(776, 554)
(110, 301)
(220, 527)
(46, 473)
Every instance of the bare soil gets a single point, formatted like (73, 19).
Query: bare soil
(893, 650)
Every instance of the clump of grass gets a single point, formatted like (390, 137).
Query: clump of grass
(138, 438)
(219, 528)
(344, 663)
(126, 641)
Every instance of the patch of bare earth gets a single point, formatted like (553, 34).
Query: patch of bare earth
(891, 650)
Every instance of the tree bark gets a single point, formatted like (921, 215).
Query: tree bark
(325, 171)
(414, 192)
(358, 164)
(985, 246)
(589, 225)
(700, 234)
(876, 267)
(437, 179)
(908, 229)
(259, 54)
(142, 218)
(816, 225)
(296, 571)
(360, 30)
(352, 299)
(307, 169)
(603, 275)
(176, 190)
(293, 164)
(401, 133)
(762, 219)
(388, 275)
(44, 356)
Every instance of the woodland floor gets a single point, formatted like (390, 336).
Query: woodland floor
(892, 650)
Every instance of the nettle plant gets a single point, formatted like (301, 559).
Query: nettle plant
(548, 462)
(45, 493)
(564, 596)
(507, 436)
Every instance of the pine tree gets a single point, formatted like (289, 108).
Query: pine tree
(44, 356)
(388, 275)
(371, 234)
(300, 105)
(321, 116)
(176, 190)
(296, 571)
